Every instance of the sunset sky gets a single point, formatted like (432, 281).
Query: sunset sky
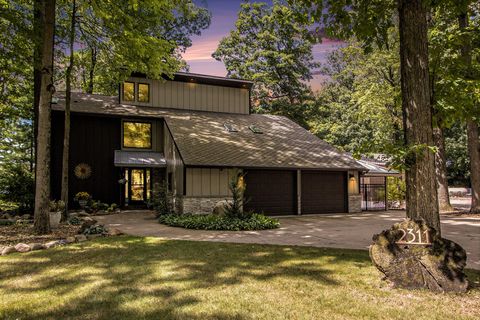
(224, 15)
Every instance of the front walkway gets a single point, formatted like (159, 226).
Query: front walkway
(350, 231)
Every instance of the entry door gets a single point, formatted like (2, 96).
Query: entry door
(137, 188)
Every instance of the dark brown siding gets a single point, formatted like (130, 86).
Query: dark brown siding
(93, 141)
(324, 192)
(272, 192)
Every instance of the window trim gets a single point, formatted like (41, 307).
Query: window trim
(137, 121)
(137, 91)
(134, 91)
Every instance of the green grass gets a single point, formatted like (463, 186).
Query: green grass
(148, 278)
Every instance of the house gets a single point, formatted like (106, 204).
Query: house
(192, 133)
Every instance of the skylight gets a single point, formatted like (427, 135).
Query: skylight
(230, 127)
(255, 129)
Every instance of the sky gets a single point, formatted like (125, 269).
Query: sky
(224, 15)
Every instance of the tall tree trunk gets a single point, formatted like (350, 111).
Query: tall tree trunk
(68, 99)
(473, 143)
(42, 183)
(472, 127)
(91, 71)
(421, 192)
(441, 170)
(38, 25)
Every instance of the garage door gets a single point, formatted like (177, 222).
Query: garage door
(272, 192)
(323, 192)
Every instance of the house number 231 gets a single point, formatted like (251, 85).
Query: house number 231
(412, 236)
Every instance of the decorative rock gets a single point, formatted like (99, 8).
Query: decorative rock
(52, 244)
(22, 247)
(87, 223)
(412, 255)
(114, 232)
(8, 250)
(36, 246)
(70, 240)
(80, 238)
(220, 207)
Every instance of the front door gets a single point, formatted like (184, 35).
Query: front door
(137, 186)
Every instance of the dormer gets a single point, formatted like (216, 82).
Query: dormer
(188, 92)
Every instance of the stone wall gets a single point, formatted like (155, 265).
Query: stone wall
(200, 205)
(354, 203)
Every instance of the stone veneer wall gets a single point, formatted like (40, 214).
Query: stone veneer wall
(354, 203)
(200, 205)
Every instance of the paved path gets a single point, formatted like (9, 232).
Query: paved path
(351, 231)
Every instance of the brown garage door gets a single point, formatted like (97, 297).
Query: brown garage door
(323, 192)
(272, 192)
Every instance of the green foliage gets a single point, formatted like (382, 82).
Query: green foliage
(234, 208)
(17, 186)
(74, 221)
(82, 195)
(160, 200)
(56, 206)
(396, 189)
(213, 222)
(95, 229)
(458, 161)
(271, 47)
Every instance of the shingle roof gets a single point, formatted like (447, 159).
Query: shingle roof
(202, 139)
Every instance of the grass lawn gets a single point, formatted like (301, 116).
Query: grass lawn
(148, 278)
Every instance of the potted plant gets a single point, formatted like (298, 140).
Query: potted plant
(82, 198)
(56, 210)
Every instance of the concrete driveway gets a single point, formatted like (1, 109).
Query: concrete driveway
(351, 231)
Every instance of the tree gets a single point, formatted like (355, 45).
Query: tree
(270, 47)
(42, 183)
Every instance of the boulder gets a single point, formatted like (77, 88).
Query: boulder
(8, 250)
(412, 255)
(52, 244)
(26, 217)
(36, 246)
(114, 232)
(22, 247)
(87, 222)
(80, 238)
(70, 240)
(220, 207)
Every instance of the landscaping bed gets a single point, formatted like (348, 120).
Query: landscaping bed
(148, 278)
(13, 234)
(216, 222)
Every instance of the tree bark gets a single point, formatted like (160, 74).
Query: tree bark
(42, 183)
(91, 71)
(474, 153)
(441, 171)
(68, 99)
(421, 192)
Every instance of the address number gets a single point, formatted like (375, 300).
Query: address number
(412, 236)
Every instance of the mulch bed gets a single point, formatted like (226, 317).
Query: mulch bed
(11, 235)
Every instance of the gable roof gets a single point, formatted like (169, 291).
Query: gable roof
(202, 139)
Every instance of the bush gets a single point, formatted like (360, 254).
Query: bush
(75, 221)
(234, 208)
(95, 229)
(213, 222)
(160, 200)
(17, 189)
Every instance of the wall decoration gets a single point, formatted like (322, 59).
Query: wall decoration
(83, 171)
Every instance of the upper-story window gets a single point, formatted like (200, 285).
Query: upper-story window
(143, 92)
(128, 91)
(137, 135)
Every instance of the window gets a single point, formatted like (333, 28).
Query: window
(128, 91)
(143, 92)
(255, 129)
(137, 135)
(230, 127)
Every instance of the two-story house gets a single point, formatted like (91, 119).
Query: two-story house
(192, 133)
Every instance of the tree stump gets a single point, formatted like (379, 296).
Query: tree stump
(412, 255)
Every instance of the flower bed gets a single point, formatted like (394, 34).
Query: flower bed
(214, 222)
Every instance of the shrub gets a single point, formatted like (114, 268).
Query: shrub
(75, 221)
(396, 191)
(56, 206)
(160, 200)
(234, 208)
(95, 229)
(213, 222)
(17, 188)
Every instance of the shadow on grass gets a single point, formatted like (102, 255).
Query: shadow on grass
(98, 279)
(146, 278)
